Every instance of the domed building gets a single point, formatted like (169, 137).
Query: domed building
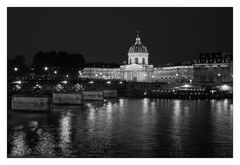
(137, 68)
(138, 53)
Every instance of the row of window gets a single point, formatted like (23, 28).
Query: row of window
(136, 61)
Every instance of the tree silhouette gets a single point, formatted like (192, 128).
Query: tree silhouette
(18, 62)
(58, 59)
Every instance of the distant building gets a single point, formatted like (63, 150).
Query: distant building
(208, 68)
(180, 73)
(213, 68)
(101, 73)
(137, 68)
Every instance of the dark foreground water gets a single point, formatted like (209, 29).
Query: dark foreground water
(125, 128)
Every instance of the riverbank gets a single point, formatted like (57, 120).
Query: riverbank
(123, 88)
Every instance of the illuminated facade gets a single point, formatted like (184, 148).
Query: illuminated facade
(101, 73)
(137, 68)
(173, 74)
(209, 67)
(213, 68)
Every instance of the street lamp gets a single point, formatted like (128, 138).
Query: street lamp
(219, 74)
(177, 74)
(55, 72)
(18, 82)
(45, 68)
(190, 81)
(15, 69)
(64, 82)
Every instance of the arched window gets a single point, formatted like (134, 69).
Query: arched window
(136, 60)
(143, 60)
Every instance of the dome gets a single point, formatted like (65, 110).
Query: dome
(138, 47)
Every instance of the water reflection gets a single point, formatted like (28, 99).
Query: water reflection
(19, 146)
(176, 110)
(109, 111)
(225, 105)
(175, 129)
(45, 146)
(125, 128)
(145, 105)
(65, 133)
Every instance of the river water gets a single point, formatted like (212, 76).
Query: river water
(125, 128)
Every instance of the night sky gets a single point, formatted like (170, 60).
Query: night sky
(105, 34)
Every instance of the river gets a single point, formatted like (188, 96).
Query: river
(125, 128)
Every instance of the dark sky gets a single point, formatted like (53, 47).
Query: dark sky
(105, 34)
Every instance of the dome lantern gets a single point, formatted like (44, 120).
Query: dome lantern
(138, 53)
(138, 47)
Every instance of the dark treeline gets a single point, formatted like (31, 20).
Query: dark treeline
(58, 59)
(18, 62)
(102, 65)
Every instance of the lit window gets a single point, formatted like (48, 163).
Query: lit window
(136, 60)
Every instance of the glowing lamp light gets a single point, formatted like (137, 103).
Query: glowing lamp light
(67, 75)
(108, 82)
(177, 74)
(219, 74)
(59, 87)
(77, 87)
(38, 86)
(55, 72)
(64, 82)
(15, 69)
(186, 86)
(18, 82)
(213, 91)
(90, 82)
(120, 82)
(225, 88)
(18, 87)
(145, 93)
(45, 68)
(145, 74)
(96, 75)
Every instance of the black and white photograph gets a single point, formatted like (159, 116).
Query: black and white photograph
(119, 82)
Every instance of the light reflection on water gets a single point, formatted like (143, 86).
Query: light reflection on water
(19, 146)
(125, 128)
(46, 144)
(65, 133)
